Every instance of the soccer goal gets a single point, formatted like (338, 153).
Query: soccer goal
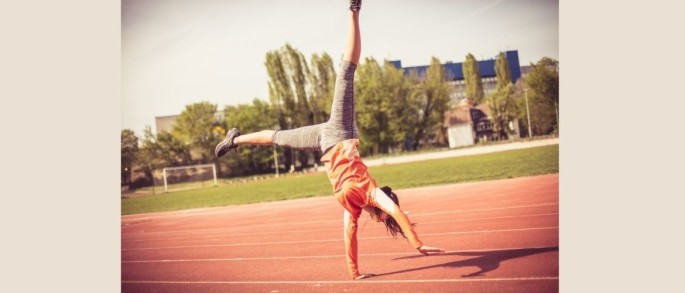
(189, 177)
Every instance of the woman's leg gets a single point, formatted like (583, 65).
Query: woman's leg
(263, 137)
(303, 138)
(354, 42)
(341, 124)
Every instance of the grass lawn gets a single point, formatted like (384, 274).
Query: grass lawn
(508, 164)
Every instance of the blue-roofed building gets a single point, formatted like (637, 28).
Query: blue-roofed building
(466, 124)
(456, 74)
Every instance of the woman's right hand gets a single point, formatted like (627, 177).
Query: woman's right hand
(425, 250)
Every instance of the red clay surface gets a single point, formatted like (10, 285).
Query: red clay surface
(499, 236)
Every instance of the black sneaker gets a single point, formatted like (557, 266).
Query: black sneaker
(355, 5)
(227, 144)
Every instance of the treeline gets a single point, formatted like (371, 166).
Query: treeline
(395, 112)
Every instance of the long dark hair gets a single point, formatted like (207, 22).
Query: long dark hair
(391, 225)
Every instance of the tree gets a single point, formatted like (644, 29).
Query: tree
(161, 150)
(399, 110)
(542, 114)
(195, 126)
(472, 78)
(129, 150)
(299, 72)
(431, 95)
(543, 85)
(322, 84)
(502, 102)
(251, 118)
(380, 100)
(438, 98)
(502, 71)
(503, 108)
(280, 92)
(287, 69)
(164, 149)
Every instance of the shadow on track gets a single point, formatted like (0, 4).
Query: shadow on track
(486, 261)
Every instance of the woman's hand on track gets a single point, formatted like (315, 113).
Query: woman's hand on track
(425, 250)
(364, 276)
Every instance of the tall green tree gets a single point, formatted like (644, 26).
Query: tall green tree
(195, 126)
(502, 103)
(431, 95)
(322, 83)
(543, 82)
(502, 71)
(523, 106)
(438, 99)
(287, 70)
(368, 105)
(472, 78)
(542, 114)
(380, 99)
(298, 71)
(400, 110)
(129, 150)
(280, 91)
(503, 108)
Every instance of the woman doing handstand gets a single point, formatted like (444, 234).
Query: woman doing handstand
(337, 138)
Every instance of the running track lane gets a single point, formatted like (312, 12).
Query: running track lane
(500, 236)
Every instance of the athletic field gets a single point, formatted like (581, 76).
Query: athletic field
(499, 236)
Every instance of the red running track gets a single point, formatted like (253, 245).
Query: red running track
(499, 236)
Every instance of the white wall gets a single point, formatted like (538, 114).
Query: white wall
(460, 135)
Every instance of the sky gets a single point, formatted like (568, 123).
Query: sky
(179, 52)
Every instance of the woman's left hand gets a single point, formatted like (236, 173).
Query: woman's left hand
(364, 276)
(425, 250)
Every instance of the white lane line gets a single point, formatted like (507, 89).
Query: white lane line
(325, 256)
(487, 218)
(130, 234)
(347, 282)
(485, 210)
(338, 239)
(423, 224)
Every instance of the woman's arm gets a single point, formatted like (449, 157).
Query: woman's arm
(350, 226)
(389, 207)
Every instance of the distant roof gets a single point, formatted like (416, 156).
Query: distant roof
(526, 69)
(454, 70)
(461, 113)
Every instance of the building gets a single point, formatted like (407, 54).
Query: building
(456, 74)
(466, 124)
(166, 123)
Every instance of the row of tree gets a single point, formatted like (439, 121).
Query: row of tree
(395, 112)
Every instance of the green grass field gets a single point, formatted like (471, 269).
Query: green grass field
(508, 164)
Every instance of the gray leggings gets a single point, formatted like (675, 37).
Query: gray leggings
(340, 126)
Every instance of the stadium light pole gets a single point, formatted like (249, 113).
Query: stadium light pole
(292, 153)
(149, 166)
(530, 132)
(276, 127)
(276, 161)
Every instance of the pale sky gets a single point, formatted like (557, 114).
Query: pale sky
(179, 52)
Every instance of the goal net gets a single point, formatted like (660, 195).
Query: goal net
(189, 177)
